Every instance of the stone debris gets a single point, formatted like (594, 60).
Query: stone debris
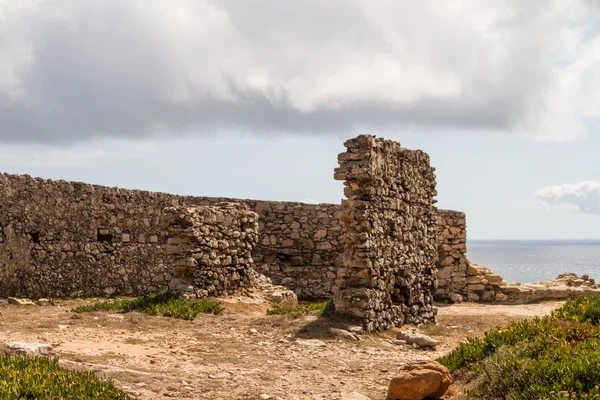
(421, 380)
(29, 349)
(311, 342)
(20, 302)
(355, 329)
(264, 288)
(341, 333)
(412, 337)
(45, 302)
(389, 219)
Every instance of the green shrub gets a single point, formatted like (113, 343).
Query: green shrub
(581, 309)
(317, 309)
(41, 378)
(554, 357)
(166, 304)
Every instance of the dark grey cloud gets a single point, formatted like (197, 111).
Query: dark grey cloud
(75, 70)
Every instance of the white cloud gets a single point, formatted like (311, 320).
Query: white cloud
(75, 70)
(583, 197)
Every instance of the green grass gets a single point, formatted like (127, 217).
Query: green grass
(318, 309)
(554, 357)
(41, 378)
(165, 304)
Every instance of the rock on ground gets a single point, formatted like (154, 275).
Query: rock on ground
(20, 302)
(421, 380)
(343, 334)
(413, 337)
(29, 349)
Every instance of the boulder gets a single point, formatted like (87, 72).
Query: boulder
(29, 349)
(413, 337)
(421, 380)
(20, 302)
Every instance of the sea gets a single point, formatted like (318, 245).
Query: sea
(529, 261)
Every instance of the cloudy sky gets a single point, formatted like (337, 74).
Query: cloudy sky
(254, 98)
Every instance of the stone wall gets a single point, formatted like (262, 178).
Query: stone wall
(73, 239)
(452, 259)
(300, 245)
(389, 267)
(210, 247)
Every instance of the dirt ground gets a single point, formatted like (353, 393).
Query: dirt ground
(242, 353)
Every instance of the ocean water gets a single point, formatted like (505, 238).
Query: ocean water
(536, 260)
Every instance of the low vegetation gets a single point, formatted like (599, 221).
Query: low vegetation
(165, 304)
(41, 378)
(318, 309)
(553, 357)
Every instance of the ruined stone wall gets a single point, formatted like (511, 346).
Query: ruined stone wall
(452, 259)
(389, 266)
(210, 247)
(73, 239)
(300, 245)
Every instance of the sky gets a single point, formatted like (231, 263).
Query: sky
(254, 99)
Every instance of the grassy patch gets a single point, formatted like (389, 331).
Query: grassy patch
(318, 309)
(166, 304)
(41, 378)
(554, 357)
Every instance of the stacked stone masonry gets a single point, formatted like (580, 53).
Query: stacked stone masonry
(452, 256)
(210, 248)
(389, 267)
(73, 239)
(68, 239)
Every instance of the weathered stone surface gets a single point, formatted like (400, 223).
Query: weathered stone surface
(211, 247)
(423, 380)
(112, 242)
(44, 302)
(343, 334)
(452, 261)
(20, 302)
(276, 294)
(413, 337)
(29, 349)
(389, 273)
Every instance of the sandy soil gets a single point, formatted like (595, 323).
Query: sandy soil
(243, 353)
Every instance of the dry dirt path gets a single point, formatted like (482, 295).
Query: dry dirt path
(241, 354)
